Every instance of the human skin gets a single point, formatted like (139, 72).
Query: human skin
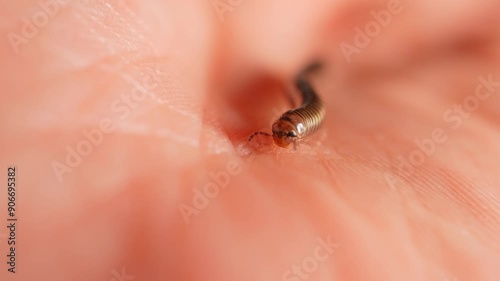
(170, 90)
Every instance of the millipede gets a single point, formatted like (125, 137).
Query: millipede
(296, 124)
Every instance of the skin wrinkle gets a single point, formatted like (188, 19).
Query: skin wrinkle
(415, 179)
(129, 49)
(132, 52)
(146, 108)
(455, 194)
(472, 200)
(126, 30)
(122, 41)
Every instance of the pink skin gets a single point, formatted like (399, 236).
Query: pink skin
(392, 210)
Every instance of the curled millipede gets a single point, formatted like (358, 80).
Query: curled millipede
(299, 123)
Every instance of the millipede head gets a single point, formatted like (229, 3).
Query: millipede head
(284, 139)
(285, 132)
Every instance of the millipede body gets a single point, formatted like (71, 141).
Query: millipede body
(299, 123)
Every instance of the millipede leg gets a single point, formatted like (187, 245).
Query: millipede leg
(258, 133)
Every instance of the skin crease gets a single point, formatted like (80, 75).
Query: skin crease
(209, 84)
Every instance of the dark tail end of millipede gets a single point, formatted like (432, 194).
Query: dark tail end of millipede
(315, 66)
(303, 84)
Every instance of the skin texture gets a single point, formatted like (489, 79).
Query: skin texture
(133, 205)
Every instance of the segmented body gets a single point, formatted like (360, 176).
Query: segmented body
(310, 114)
(301, 122)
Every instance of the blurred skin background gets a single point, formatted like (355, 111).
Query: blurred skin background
(127, 122)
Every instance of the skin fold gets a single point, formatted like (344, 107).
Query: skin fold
(401, 182)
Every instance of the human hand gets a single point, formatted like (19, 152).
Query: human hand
(127, 123)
